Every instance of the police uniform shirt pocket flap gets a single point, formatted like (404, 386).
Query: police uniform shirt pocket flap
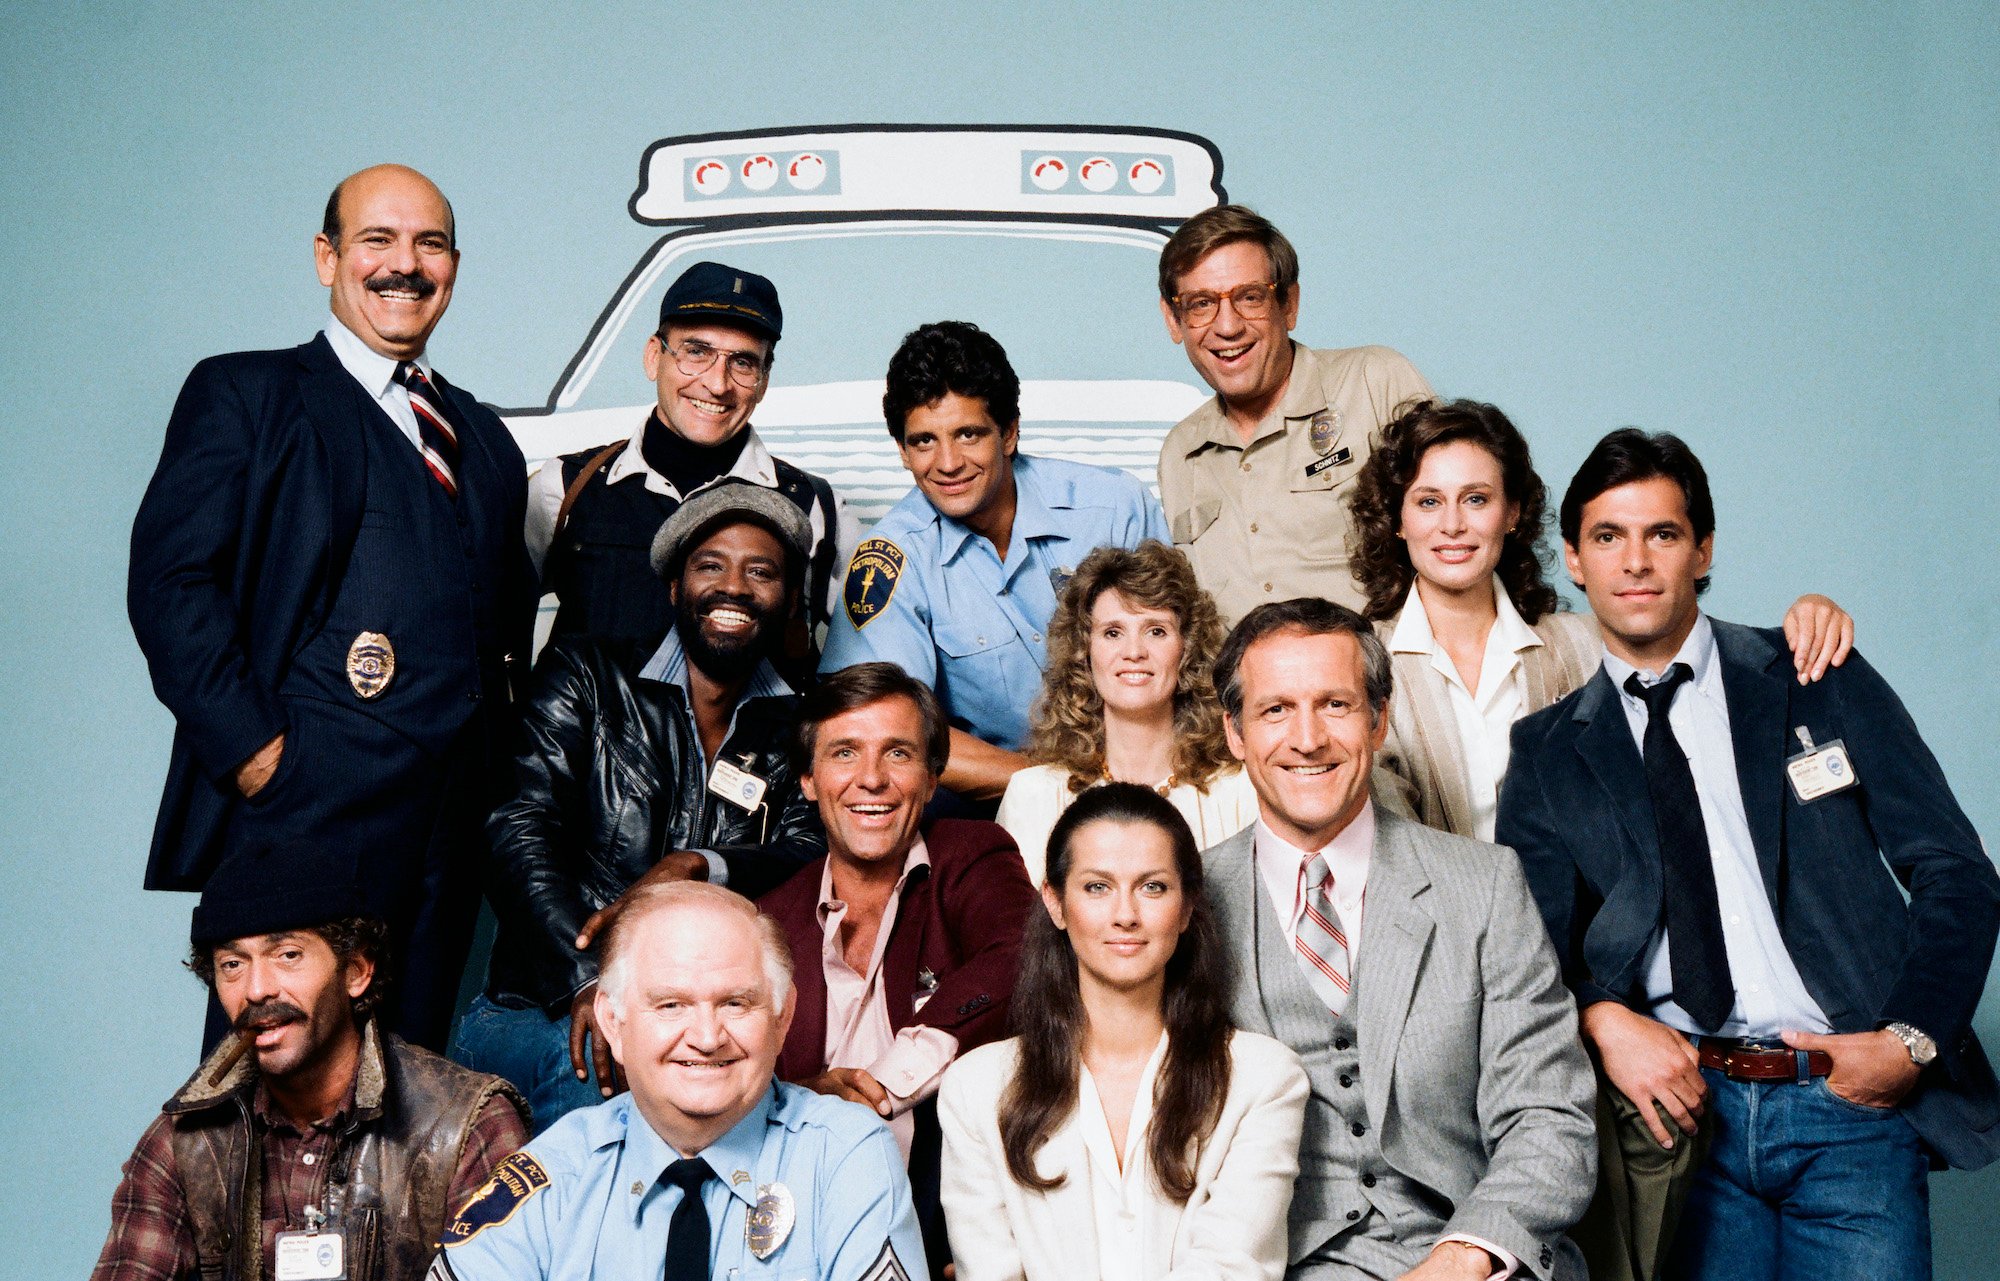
(1192, 521)
(968, 640)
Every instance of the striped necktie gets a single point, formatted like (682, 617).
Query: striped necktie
(440, 441)
(1321, 943)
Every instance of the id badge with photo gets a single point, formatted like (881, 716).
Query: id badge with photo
(1819, 770)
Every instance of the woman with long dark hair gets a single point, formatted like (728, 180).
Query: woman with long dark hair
(1128, 1130)
(1126, 698)
(1449, 547)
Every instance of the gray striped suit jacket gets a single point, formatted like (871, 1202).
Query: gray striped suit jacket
(1475, 1082)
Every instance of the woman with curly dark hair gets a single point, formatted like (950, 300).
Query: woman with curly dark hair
(1126, 696)
(1448, 547)
(1126, 1112)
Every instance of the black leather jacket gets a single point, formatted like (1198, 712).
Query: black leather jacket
(609, 778)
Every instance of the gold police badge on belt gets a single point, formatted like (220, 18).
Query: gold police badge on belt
(371, 664)
(771, 1221)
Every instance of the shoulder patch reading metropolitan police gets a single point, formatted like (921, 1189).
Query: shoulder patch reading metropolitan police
(871, 580)
(887, 1267)
(514, 1180)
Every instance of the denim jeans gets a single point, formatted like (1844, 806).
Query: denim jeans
(1801, 1184)
(530, 1051)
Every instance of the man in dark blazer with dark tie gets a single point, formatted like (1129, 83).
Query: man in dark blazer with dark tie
(1722, 856)
(328, 582)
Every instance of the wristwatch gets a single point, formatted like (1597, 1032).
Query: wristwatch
(1922, 1049)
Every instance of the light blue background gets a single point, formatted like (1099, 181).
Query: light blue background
(1771, 231)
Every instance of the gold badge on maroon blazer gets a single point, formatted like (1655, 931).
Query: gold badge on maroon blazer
(371, 664)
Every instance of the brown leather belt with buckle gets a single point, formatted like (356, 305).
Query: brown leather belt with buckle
(1740, 1062)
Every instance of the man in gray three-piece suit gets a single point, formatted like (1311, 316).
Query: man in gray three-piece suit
(1449, 1133)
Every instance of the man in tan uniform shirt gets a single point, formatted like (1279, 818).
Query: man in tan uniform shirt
(1255, 481)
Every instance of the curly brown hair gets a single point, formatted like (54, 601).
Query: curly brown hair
(1381, 560)
(1068, 729)
(350, 937)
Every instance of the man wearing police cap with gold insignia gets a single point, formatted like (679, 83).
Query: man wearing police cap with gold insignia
(327, 579)
(708, 1170)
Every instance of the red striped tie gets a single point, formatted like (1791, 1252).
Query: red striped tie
(1322, 944)
(440, 442)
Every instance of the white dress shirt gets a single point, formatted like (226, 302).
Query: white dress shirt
(1130, 1214)
(377, 375)
(908, 1064)
(1770, 995)
(1283, 867)
(1485, 717)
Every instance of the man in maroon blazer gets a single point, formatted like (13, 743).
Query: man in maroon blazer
(906, 937)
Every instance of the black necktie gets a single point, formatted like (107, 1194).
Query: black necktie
(687, 1232)
(1700, 962)
(440, 439)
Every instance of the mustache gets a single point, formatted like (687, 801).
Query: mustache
(275, 1012)
(422, 286)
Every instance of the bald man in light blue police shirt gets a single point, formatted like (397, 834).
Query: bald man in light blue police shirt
(958, 582)
(708, 1170)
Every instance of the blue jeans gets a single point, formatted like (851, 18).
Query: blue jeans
(530, 1051)
(1801, 1184)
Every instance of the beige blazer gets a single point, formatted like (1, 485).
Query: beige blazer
(1420, 770)
(1231, 1229)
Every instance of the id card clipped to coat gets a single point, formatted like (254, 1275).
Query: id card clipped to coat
(1821, 770)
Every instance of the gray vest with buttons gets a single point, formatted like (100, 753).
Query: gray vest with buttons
(1347, 1201)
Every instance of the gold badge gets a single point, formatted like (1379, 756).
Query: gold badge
(771, 1221)
(1325, 426)
(371, 664)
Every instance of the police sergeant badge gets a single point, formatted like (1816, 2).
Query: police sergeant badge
(871, 580)
(770, 1222)
(371, 664)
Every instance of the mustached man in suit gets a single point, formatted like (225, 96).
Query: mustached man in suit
(1721, 855)
(1449, 1129)
(327, 580)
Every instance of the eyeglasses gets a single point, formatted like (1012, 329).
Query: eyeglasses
(746, 369)
(1252, 302)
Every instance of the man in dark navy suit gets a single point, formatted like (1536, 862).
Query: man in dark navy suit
(1722, 856)
(328, 582)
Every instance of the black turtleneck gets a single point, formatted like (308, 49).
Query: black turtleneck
(686, 464)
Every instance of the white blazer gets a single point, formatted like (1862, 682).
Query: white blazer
(1231, 1229)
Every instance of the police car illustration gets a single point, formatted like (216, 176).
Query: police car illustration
(1046, 236)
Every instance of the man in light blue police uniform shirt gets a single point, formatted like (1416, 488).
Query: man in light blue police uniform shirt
(708, 1170)
(958, 582)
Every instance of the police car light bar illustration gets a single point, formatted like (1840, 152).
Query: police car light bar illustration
(1145, 174)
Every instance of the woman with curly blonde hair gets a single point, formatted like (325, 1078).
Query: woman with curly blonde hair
(1126, 697)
